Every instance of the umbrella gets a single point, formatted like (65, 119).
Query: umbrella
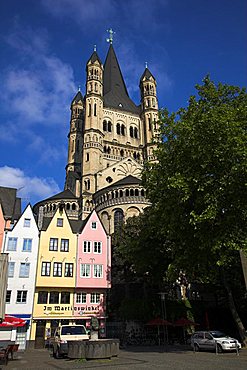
(158, 322)
(12, 321)
(184, 322)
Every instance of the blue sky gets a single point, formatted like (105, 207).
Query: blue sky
(45, 45)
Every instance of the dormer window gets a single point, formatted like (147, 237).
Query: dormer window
(94, 225)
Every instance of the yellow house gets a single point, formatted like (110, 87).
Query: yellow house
(56, 274)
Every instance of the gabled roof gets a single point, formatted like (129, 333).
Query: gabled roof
(11, 205)
(146, 74)
(94, 57)
(115, 92)
(77, 98)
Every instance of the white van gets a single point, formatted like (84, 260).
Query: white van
(66, 333)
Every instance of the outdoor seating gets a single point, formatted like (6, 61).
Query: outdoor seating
(9, 350)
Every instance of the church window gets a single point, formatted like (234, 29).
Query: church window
(87, 157)
(95, 110)
(127, 193)
(89, 110)
(68, 206)
(142, 193)
(123, 130)
(149, 123)
(112, 194)
(135, 133)
(131, 131)
(109, 179)
(118, 218)
(122, 152)
(121, 193)
(136, 192)
(109, 126)
(131, 192)
(118, 128)
(74, 205)
(104, 125)
(116, 194)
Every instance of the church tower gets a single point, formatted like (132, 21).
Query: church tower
(149, 105)
(73, 168)
(110, 138)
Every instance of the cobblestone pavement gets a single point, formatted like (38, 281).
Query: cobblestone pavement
(171, 358)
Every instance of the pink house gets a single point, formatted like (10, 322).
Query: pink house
(93, 272)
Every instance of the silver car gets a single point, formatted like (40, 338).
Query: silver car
(213, 340)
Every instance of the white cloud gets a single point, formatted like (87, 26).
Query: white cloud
(29, 188)
(41, 92)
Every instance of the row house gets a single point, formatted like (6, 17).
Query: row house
(73, 274)
(21, 244)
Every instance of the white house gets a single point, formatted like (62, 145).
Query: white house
(21, 244)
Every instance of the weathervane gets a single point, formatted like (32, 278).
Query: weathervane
(111, 32)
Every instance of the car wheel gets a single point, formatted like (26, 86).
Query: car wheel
(196, 347)
(219, 348)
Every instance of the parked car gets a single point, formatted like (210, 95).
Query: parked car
(65, 333)
(209, 340)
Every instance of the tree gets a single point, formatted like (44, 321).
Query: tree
(198, 186)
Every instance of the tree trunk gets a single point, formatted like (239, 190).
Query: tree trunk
(235, 315)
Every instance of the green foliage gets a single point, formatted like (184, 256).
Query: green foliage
(198, 186)
(142, 249)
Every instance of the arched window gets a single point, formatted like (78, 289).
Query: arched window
(116, 194)
(104, 125)
(89, 110)
(74, 206)
(95, 110)
(142, 193)
(131, 192)
(122, 152)
(109, 126)
(135, 133)
(121, 193)
(127, 193)
(118, 218)
(136, 192)
(87, 157)
(118, 128)
(149, 123)
(105, 149)
(131, 131)
(134, 155)
(123, 130)
(68, 206)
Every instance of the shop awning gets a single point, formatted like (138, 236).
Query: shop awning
(12, 321)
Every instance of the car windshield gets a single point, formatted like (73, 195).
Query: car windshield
(218, 334)
(73, 330)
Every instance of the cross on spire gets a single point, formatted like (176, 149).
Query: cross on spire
(146, 64)
(111, 32)
(94, 48)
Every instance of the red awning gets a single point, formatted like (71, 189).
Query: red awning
(12, 321)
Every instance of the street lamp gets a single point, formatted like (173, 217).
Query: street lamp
(164, 315)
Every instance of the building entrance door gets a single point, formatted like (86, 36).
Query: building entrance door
(40, 334)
